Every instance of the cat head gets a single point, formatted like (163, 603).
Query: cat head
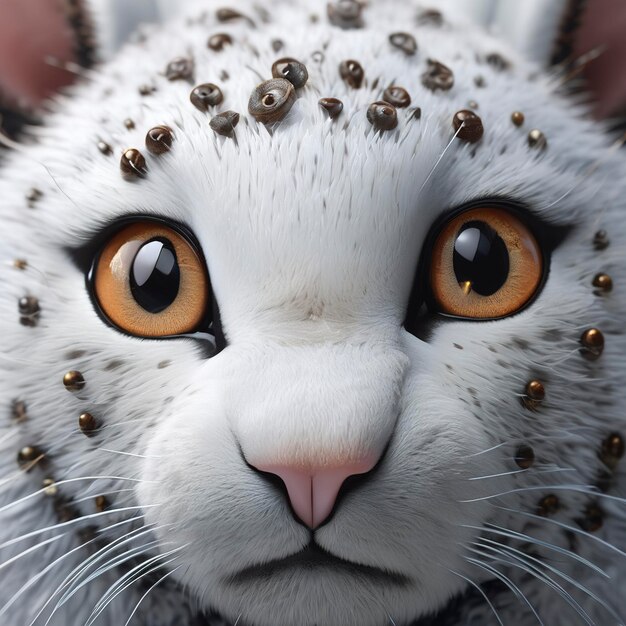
(323, 352)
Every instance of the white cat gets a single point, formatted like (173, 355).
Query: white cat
(304, 352)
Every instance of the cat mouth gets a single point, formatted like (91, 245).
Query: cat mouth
(315, 558)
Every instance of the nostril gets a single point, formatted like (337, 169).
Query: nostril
(312, 492)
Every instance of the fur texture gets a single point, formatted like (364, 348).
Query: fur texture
(312, 230)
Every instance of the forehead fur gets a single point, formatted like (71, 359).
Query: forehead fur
(309, 175)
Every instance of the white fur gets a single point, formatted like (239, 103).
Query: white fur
(312, 231)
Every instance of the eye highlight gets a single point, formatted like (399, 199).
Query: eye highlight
(485, 264)
(149, 280)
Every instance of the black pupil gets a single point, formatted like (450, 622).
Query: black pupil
(155, 275)
(481, 259)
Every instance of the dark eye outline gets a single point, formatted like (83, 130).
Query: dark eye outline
(422, 306)
(86, 258)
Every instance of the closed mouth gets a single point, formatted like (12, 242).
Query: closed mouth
(313, 558)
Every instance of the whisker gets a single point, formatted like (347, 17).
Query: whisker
(29, 583)
(114, 590)
(541, 576)
(504, 532)
(143, 597)
(72, 522)
(138, 456)
(103, 493)
(523, 471)
(79, 569)
(67, 481)
(436, 165)
(527, 557)
(573, 529)
(482, 593)
(31, 549)
(586, 489)
(102, 553)
(485, 452)
(508, 582)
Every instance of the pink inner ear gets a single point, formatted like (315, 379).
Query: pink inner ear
(604, 27)
(31, 31)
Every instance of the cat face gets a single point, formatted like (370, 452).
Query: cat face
(330, 447)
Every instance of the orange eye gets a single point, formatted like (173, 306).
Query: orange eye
(485, 264)
(150, 281)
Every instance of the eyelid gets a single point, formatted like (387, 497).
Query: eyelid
(549, 237)
(524, 276)
(110, 258)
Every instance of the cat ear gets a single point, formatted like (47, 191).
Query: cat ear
(32, 34)
(581, 38)
(44, 42)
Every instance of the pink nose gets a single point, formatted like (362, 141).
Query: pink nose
(313, 492)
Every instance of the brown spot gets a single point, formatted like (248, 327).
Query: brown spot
(219, 41)
(129, 124)
(382, 115)
(87, 424)
(437, 76)
(292, 70)
(318, 57)
(480, 82)
(224, 123)
(29, 310)
(398, 96)
(592, 342)
(430, 17)
(603, 283)
(180, 68)
(601, 240)
(101, 504)
(105, 148)
(498, 62)
(525, 456)
(535, 394)
(205, 96)
(548, 505)
(28, 457)
(272, 100)
(277, 45)
(73, 381)
(536, 139)
(468, 126)
(612, 450)
(132, 164)
(146, 90)
(50, 488)
(18, 411)
(159, 140)
(417, 113)
(517, 117)
(230, 15)
(345, 14)
(33, 196)
(405, 42)
(352, 73)
(332, 106)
